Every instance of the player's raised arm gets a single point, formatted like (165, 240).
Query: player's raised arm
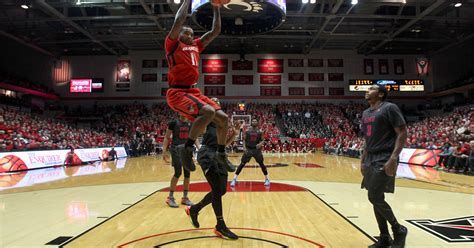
(179, 20)
(216, 28)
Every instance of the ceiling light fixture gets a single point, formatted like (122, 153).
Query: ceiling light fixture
(304, 1)
(24, 6)
(354, 2)
(312, 1)
(458, 4)
(78, 2)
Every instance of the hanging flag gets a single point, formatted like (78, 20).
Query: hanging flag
(61, 71)
(422, 66)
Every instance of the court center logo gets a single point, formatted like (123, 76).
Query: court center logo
(458, 230)
(246, 6)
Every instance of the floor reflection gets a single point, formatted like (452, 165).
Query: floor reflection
(32, 177)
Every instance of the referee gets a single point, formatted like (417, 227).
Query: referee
(385, 135)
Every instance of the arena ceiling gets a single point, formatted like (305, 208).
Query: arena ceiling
(100, 27)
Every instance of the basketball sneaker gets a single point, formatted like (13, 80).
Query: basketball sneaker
(221, 159)
(232, 184)
(193, 216)
(267, 182)
(171, 202)
(384, 241)
(186, 201)
(225, 233)
(399, 236)
(186, 155)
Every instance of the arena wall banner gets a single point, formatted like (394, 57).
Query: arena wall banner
(31, 177)
(27, 160)
(419, 156)
(417, 164)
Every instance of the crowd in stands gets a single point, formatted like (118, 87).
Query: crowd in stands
(287, 127)
(337, 124)
(452, 127)
(21, 130)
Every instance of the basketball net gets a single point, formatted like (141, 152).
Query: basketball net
(247, 119)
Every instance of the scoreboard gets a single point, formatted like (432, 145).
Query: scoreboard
(390, 84)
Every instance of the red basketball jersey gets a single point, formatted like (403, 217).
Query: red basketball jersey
(183, 61)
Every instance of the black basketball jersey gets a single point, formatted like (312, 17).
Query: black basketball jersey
(252, 138)
(210, 136)
(180, 131)
(378, 126)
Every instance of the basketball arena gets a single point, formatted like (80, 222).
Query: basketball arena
(237, 123)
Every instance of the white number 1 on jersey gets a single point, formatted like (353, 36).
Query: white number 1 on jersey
(194, 59)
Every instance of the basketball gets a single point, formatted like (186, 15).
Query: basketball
(424, 157)
(12, 163)
(104, 154)
(218, 3)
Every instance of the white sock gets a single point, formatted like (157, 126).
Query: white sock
(266, 177)
(235, 177)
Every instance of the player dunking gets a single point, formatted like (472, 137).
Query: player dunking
(177, 131)
(253, 144)
(385, 134)
(182, 54)
(216, 177)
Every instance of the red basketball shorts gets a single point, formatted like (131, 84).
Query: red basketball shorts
(188, 102)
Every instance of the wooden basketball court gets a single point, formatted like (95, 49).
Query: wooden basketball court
(314, 200)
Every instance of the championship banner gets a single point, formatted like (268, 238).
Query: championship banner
(335, 63)
(398, 66)
(270, 66)
(214, 90)
(123, 71)
(315, 62)
(214, 65)
(335, 76)
(149, 63)
(295, 76)
(316, 91)
(122, 87)
(296, 91)
(383, 66)
(422, 66)
(27, 160)
(368, 66)
(316, 76)
(149, 77)
(295, 63)
(270, 90)
(270, 79)
(242, 79)
(336, 91)
(242, 65)
(214, 79)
